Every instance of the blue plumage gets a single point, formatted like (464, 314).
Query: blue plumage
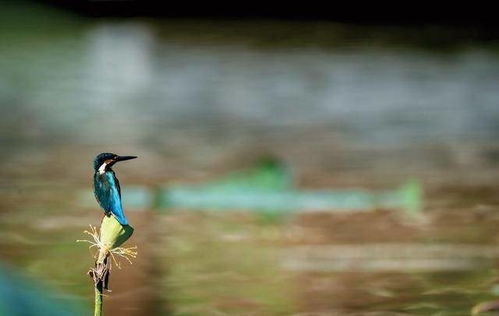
(108, 194)
(107, 187)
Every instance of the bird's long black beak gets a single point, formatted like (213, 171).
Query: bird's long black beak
(122, 158)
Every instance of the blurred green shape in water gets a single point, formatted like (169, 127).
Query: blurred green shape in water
(267, 188)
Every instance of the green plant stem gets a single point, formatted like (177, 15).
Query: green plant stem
(98, 299)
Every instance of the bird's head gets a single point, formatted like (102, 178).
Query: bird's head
(105, 161)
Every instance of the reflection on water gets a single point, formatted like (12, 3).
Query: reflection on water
(343, 106)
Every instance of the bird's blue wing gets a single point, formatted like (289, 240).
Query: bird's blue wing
(107, 193)
(116, 207)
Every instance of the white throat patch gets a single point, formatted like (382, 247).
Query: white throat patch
(102, 168)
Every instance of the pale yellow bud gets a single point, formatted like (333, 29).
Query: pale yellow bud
(112, 235)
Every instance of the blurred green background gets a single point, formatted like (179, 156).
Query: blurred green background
(341, 105)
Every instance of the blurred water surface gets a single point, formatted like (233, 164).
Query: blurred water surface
(342, 105)
(68, 79)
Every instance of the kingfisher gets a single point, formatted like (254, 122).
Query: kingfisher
(107, 187)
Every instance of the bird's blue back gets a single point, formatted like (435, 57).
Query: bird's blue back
(108, 194)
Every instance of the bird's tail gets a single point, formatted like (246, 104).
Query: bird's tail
(120, 217)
